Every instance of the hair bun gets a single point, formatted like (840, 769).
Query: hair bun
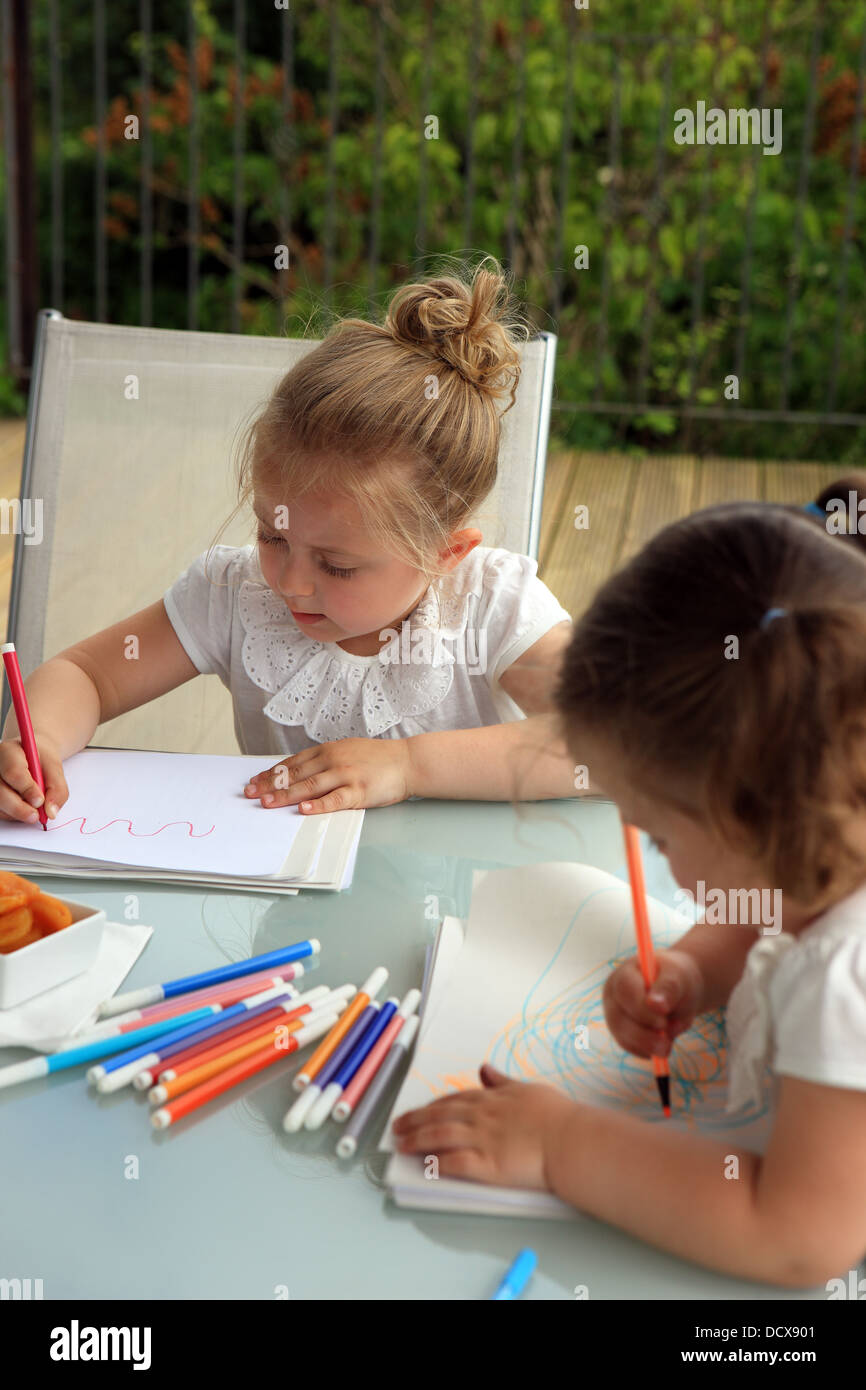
(464, 325)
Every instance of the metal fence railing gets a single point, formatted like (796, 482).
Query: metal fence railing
(364, 138)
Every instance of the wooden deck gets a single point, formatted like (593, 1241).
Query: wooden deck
(628, 500)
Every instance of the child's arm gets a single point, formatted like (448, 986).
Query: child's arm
(524, 760)
(531, 679)
(795, 1218)
(74, 692)
(95, 680)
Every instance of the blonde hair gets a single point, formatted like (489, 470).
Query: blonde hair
(402, 416)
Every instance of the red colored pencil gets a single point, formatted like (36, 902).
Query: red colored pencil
(645, 951)
(25, 724)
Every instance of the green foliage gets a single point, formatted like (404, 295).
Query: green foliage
(665, 301)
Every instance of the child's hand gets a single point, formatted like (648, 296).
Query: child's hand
(19, 793)
(502, 1134)
(353, 772)
(646, 1022)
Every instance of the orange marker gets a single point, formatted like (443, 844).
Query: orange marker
(332, 1002)
(234, 1075)
(335, 1000)
(645, 951)
(368, 991)
(209, 1066)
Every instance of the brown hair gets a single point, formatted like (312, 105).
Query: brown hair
(841, 492)
(768, 748)
(402, 416)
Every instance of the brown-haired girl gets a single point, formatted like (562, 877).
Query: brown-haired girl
(369, 634)
(716, 689)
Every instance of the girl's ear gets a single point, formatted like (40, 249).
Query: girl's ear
(462, 542)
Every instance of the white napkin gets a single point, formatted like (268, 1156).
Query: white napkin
(46, 1021)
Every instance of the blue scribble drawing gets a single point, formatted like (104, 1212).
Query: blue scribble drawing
(563, 1039)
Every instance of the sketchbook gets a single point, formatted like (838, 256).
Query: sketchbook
(181, 818)
(519, 985)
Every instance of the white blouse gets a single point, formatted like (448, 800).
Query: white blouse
(799, 1008)
(441, 670)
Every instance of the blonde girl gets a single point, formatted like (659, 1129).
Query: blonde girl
(369, 640)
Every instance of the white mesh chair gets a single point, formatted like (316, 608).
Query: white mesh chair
(133, 488)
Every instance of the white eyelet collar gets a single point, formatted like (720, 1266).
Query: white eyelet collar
(335, 694)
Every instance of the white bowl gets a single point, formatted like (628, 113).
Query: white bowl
(54, 959)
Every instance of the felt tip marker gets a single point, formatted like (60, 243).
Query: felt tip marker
(335, 1061)
(119, 1071)
(369, 989)
(229, 993)
(25, 724)
(274, 1036)
(155, 994)
(338, 1083)
(517, 1277)
(299, 1012)
(86, 1052)
(374, 1059)
(645, 948)
(378, 1088)
(234, 1075)
(298, 1113)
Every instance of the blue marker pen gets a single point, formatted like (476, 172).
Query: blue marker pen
(518, 1276)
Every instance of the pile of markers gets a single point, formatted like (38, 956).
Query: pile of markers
(190, 1040)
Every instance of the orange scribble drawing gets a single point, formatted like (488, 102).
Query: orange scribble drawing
(564, 1041)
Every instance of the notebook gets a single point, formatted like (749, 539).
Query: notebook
(519, 985)
(181, 818)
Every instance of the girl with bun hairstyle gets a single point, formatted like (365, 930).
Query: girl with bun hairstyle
(716, 691)
(369, 639)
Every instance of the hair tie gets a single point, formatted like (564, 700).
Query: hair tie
(815, 510)
(770, 614)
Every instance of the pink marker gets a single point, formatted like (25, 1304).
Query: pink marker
(25, 725)
(368, 1068)
(229, 993)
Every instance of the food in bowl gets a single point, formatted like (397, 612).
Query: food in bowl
(26, 913)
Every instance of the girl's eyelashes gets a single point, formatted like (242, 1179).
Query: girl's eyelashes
(329, 569)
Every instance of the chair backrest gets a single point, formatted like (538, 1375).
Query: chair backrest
(129, 445)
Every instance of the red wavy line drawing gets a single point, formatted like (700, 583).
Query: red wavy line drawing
(139, 834)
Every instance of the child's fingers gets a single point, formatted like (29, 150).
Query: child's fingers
(436, 1136)
(642, 1042)
(283, 776)
(458, 1103)
(332, 789)
(19, 793)
(12, 807)
(16, 774)
(669, 991)
(56, 790)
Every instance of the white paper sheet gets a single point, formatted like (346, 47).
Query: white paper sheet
(173, 811)
(525, 994)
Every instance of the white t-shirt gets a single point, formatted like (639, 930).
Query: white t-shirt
(441, 670)
(799, 1008)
